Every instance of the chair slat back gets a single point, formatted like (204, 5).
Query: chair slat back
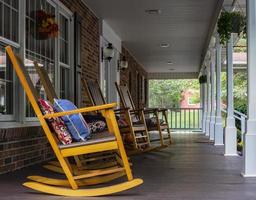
(125, 96)
(25, 79)
(46, 82)
(94, 92)
(31, 93)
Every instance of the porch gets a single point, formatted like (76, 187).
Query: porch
(106, 43)
(192, 168)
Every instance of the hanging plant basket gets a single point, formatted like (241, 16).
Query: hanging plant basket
(230, 22)
(44, 25)
(203, 79)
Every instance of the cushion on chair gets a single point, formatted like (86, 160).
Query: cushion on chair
(96, 123)
(76, 124)
(152, 122)
(56, 123)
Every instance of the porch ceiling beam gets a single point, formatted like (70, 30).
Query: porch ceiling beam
(175, 75)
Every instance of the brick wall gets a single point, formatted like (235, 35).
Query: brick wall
(22, 147)
(132, 77)
(26, 146)
(90, 41)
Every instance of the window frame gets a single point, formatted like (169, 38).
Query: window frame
(19, 102)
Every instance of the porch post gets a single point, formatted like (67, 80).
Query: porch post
(212, 118)
(207, 132)
(250, 135)
(218, 139)
(230, 129)
(200, 112)
(204, 90)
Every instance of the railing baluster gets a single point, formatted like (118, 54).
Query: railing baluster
(180, 117)
(194, 124)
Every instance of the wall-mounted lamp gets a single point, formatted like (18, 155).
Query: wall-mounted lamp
(122, 64)
(108, 52)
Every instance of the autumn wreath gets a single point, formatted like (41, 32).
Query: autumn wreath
(45, 25)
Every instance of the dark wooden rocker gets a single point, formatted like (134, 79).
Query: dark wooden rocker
(112, 141)
(135, 134)
(127, 102)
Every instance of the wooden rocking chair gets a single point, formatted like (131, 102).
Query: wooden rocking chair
(94, 161)
(137, 133)
(112, 141)
(127, 102)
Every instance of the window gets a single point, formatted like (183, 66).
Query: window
(9, 35)
(45, 51)
(9, 23)
(53, 53)
(42, 51)
(6, 85)
(64, 47)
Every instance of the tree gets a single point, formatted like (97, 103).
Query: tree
(240, 90)
(167, 93)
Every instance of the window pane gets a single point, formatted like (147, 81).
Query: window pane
(64, 39)
(9, 19)
(15, 30)
(1, 19)
(64, 83)
(6, 84)
(7, 22)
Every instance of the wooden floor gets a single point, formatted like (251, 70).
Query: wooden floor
(191, 169)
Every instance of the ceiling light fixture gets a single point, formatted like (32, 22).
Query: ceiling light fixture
(169, 62)
(164, 45)
(171, 69)
(153, 11)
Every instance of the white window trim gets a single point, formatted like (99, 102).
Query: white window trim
(19, 119)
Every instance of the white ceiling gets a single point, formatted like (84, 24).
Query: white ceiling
(184, 24)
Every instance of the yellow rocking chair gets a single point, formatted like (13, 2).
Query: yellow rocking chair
(108, 143)
(91, 162)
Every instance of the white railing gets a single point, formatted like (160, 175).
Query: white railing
(241, 118)
(185, 118)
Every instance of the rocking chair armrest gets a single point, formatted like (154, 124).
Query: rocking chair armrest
(163, 109)
(151, 110)
(81, 110)
(136, 110)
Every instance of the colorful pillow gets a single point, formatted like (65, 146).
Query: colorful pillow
(56, 123)
(152, 122)
(96, 123)
(76, 124)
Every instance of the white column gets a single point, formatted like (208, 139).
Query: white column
(204, 91)
(208, 117)
(201, 105)
(230, 129)
(250, 135)
(212, 118)
(218, 139)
